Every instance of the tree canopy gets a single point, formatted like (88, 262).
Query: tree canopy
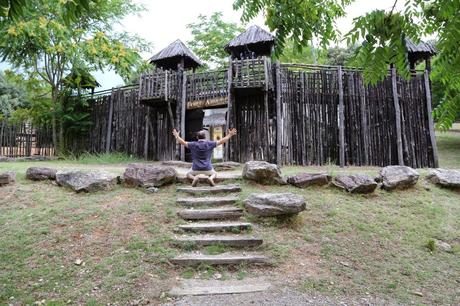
(210, 34)
(380, 36)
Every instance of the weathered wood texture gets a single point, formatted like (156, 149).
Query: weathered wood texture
(24, 139)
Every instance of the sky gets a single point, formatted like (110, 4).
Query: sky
(165, 21)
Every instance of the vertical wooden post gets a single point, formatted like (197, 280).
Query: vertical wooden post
(183, 112)
(146, 136)
(434, 146)
(108, 136)
(341, 119)
(364, 127)
(397, 116)
(279, 127)
(229, 104)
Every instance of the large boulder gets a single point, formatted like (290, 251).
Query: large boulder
(41, 173)
(262, 172)
(145, 175)
(274, 204)
(445, 178)
(355, 183)
(303, 180)
(86, 181)
(7, 177)
(398, 177)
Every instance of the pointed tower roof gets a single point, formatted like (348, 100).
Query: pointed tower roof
(172, 55)
(254, 39)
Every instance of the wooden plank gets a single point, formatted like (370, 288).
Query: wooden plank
(229, 105)
(210, 190)
(146, 136)
(434, 146)
(215, 226)
(212, 287)
(279, 123)
(341, 119)
(183, 113)
(207, 201)
(210, 214)
(109, 123)
(230, 240)
(394, 87)
(220, 259)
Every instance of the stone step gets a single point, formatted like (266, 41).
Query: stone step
(215, 227)
(194, 259)
(211, 214)
(207, 201)
(207, 287)
(227, 240)
(209, 189)
(221, 178)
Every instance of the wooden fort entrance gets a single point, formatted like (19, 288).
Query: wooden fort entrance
(291, 114)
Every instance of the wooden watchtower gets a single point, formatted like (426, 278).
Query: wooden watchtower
(416, 53)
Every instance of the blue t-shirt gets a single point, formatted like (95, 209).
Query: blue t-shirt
(201, 154)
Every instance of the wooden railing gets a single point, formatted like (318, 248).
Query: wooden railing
(252, 73)
(158, 84)
(207, 88)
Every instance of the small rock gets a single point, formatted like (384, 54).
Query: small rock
(417, 293)
(274, 204)
(217, 275)
(7, 177)
(398, 177)
(228, 165)
(152, 190)
(309, 179)
(445, 178)
(78, 262)
(443, 246)
(355, 183)
(345, 264)
(41, 173)
(263, 173)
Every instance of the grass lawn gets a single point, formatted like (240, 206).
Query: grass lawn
(344, 245)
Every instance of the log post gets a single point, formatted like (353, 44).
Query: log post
(434, 146)
(341, 119)
(229, 104)
(108, 136)
(364, 111)
(146, 136)
(279, 126)
(183, 112)
(397, 116)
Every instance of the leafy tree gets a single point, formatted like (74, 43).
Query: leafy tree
(380, 34)
(305, 55)
(12, 96)
(210, 35)
(43, 42)
(338, 56)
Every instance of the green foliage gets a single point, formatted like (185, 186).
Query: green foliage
(300, 21)
(210, 35)
(307, 55)
(431, 245)
(12, 96)
(337, 56)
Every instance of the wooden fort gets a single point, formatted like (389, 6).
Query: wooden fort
(290, 114)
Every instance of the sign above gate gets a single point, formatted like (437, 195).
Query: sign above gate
(207, 103)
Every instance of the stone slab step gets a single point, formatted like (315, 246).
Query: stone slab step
(210, 214)
(207, 201)
(207, 287)
(228, 240)
(209, 189)
(193, 259)
(221, 177)
(215, 226)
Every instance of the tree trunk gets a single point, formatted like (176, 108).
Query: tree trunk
(54, 98)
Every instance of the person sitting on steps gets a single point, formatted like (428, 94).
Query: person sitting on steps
(201, 155)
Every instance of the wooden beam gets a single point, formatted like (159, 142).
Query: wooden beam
(229, 104)
(434, 146)
(341, 119)
(183, 112)
(364, 125)
(397, 116)
(146, 136)
(108, 137)
(279, 126)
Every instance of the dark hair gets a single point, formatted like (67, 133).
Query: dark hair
(201, 134)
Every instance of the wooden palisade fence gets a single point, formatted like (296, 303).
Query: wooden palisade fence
(290, 114)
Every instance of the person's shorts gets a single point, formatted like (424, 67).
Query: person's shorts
(207, 172)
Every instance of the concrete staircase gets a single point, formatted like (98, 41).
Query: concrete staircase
(214, 219)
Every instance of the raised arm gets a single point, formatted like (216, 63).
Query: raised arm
(230, 134)
(179, 139)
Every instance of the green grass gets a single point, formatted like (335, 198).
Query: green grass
(379, 245)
